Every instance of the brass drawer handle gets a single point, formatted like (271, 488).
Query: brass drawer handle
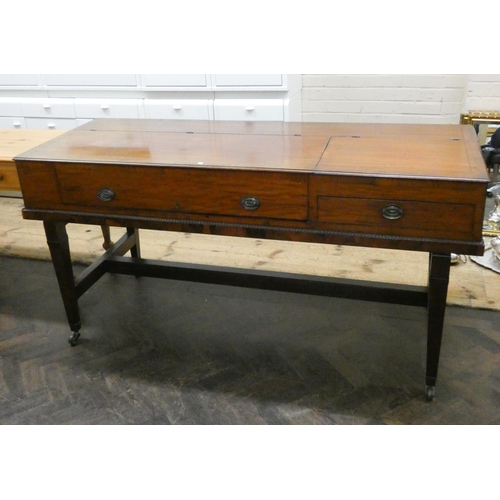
(1, 177)
(250, 202)
(392, 212)
(105, 194)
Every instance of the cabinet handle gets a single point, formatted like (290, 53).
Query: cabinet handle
(250, 202)
(51, 125)
(17, 124)
(1, 177)
(105, 194)
(105, 106)
(177, 108)
(250, 108)
(392, 212)
(46, 106)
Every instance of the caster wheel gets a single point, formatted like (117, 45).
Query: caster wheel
(73, 338)
(430, 392)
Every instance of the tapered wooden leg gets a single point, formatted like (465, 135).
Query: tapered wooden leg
(57, 239)
(439, 273)
(106, 233)
(135, 251)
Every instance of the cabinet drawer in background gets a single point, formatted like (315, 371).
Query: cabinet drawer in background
(249, 109)
(51, 123)
(11, 106)
(13, 122)
(50, 107)
(184, 190)
(107, 108)
(179, 109)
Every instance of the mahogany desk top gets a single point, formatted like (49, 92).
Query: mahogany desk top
(410, 187)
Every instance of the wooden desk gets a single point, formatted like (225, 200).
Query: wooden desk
(13, 143)
(408, 187)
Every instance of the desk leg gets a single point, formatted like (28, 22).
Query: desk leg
(439, 272)
(135, 251)
(57, 239)
(106, 233)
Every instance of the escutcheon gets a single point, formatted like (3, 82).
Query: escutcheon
(105, 194)
(392, 212)
(250, 202)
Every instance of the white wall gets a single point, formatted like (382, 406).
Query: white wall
(397, 98)
(483, 93)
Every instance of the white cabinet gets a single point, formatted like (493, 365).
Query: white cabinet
(249, 109)
(179, 109)
(18, 80)
(51, 123)
(50, 107)
(11, 106)
(65, 101)
(90, 80)
(107, 108)
(12, 122)
(190, 80)
(248, 80)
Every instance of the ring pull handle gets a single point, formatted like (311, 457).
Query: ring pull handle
(392, 212)
(250, 203)
(105, 194)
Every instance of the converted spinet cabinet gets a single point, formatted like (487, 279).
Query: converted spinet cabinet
(404, 187)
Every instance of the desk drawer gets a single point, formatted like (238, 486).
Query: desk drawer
(395, 216)
(399, 207)
(185, 190)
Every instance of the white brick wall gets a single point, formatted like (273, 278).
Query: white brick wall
(483, 93)
(397, 98)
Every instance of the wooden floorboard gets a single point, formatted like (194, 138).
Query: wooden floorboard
(162, 352)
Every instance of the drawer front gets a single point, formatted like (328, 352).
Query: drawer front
(13, 122)
(185, 190)
(399, 207)
(51, 123)
(11, 106)
(47, 108)
(107, 108)
(8, 177)
(395, 216)
(179, 109)
(249, 109)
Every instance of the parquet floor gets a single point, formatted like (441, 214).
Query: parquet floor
(160, 352)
